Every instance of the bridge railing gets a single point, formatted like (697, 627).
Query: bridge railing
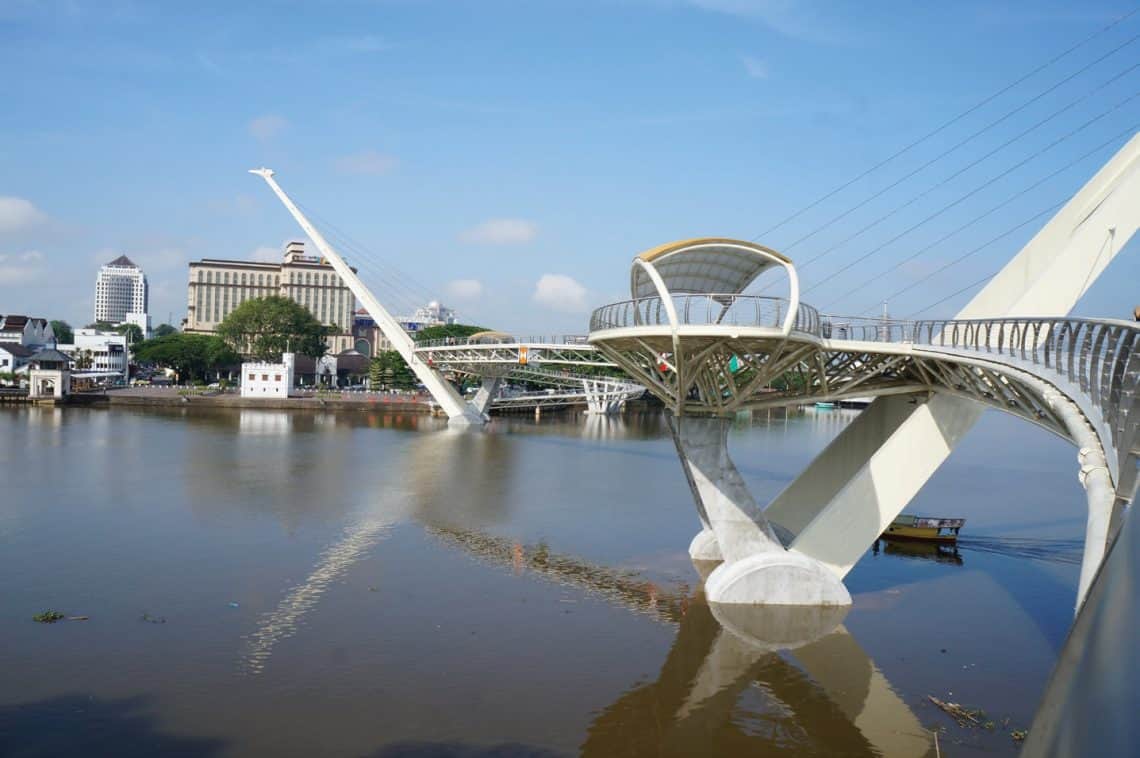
(554, 339)
(1101, 357)
(705, 309)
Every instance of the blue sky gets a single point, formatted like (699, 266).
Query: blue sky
(510, 158)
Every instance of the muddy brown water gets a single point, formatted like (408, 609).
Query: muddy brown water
(360, 584)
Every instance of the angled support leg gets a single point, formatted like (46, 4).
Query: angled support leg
(756, 568)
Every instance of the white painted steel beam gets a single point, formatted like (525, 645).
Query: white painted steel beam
(449, 400)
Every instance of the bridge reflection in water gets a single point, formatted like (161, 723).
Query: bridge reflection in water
(738, 680)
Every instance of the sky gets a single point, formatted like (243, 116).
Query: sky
(510, 158)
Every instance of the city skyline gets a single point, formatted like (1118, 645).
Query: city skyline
(515, 181)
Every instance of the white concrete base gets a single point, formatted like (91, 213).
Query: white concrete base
(776, 578)
(704, 547)
(757, 569)
(779, 627)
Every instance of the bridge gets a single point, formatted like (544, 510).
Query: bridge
(694, 337)
(559, 362)
(693, 334)
(697, 341)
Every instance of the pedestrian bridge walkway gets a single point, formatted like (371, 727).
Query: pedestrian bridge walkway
(707, 349)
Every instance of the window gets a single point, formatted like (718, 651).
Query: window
(265, 377)
(243, 277)
(277, 377)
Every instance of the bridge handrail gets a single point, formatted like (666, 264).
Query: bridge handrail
(716, 309)
(1100, 356)
(562, 340)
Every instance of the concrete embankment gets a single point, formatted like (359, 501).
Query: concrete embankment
(324, 404)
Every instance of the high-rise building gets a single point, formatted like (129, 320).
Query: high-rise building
(121, 294)
(219, 286)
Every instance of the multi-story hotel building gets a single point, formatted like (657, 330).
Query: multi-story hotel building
(121, 294)
(218, 286)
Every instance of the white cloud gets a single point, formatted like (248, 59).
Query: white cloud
(20, 268)
(465, 289)
(267, 254)
(501, 231)
(561, 293)
(18, 213)
(757, 68)
(368, 162)
(267, 126)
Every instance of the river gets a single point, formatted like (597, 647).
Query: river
(291, 583)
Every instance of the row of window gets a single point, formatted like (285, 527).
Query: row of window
(297, 277)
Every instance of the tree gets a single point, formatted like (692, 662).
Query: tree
(442, 331)
(84, 359)
(266, 327)
(102, 326)
(164, 330)
(133, 333)
(388, 369)
(64, 334)
(189, 355)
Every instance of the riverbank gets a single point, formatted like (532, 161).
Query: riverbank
(173, 397)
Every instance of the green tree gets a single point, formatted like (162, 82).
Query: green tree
(266, 327)
(133, 333)
(442, 331)
(388, 369)
(64, 334)
(102, 326)
(164, 330)
(189, 355)
(83, 360)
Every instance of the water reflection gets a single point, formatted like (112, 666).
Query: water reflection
(737, 679)
(730, 693)
(281, 623)
(923, 551)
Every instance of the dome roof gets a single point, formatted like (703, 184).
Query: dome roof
(705, 265)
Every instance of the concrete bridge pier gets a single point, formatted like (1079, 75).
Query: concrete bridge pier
(756, 568)
(482, 400)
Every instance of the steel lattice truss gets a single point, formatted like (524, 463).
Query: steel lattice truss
(464, 356)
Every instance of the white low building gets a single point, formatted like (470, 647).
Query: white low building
(268, 380)
(96, 352)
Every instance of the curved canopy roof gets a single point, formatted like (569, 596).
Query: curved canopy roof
(490, 337)
(705, 265)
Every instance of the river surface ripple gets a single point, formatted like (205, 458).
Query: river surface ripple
(360, 584)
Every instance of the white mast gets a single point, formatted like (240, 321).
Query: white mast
(448, 398)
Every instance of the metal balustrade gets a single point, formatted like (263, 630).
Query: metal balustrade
(705, 310)
(1101, 357)
(506, 339)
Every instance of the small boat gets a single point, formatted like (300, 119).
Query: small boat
(824, 405)
(924, 529)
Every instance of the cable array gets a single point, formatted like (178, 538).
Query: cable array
(1040, 186)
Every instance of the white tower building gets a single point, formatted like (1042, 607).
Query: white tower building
(121, 294)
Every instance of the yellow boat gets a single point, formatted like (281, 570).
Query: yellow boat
(924, 529)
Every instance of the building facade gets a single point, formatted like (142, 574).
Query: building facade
(219, 286)
(26, 331)
(121, 294)
(369, 339)
(268, 380)
(94, 351)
